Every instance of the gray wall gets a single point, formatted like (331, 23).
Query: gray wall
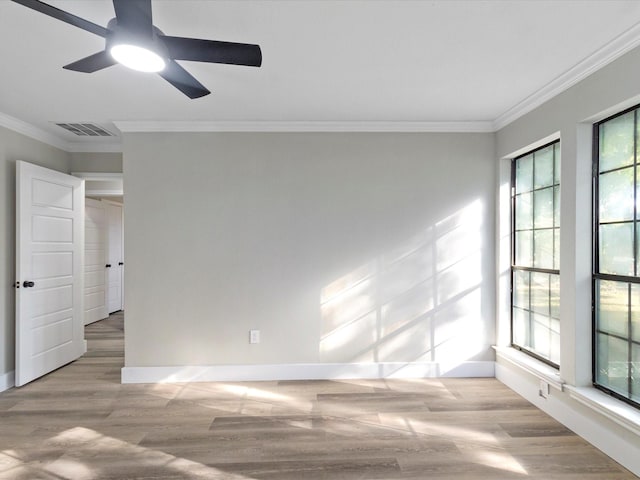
(338, 247)
(14, 146)
(96, 162)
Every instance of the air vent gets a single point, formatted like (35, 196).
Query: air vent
(86, 129)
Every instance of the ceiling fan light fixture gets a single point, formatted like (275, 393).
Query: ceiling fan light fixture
(132, 40)
(137, 58)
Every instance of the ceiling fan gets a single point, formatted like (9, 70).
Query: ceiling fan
(132, 40)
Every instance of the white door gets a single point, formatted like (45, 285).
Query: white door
(115, 262)
(95, 259)
(49, 258)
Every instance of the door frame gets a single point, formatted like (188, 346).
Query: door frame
(115, 189)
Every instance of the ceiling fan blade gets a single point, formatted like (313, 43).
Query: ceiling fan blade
(213, 51)
(92, 63)
(134, 15)
(64, 16)
(183, 80)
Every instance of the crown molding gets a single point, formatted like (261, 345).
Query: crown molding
(31, 131)
(620, 45)
(268, 126)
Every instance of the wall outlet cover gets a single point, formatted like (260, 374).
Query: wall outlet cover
(544, 389)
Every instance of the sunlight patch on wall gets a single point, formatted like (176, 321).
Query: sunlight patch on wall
(420, 301)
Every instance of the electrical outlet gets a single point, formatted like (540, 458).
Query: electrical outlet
(254, 336)
(544, 389)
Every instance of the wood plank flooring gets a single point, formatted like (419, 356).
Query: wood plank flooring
(80, 423)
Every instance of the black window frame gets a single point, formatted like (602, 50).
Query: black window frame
(515, 267)
(595, 244)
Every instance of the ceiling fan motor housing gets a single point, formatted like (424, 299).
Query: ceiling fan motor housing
(118, 35)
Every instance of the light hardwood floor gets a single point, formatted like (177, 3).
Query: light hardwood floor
(80, 423)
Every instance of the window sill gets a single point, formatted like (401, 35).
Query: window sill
(608, 406)
(535, 367)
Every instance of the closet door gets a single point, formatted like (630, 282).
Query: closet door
(95, 259)
(115, 258)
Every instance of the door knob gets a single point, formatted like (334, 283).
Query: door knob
(27, 284)
(108, 265)
(120, 263)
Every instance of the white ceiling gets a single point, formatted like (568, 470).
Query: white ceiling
(347, 64)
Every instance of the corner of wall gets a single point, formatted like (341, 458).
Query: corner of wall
(7, 381)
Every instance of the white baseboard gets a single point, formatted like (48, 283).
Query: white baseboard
(7, 381)
(608, 435)
(307, 371)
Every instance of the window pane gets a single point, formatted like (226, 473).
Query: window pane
(556, 173)
(554, 300)
(612, 363)
(556, 206)
(616, 196)
(524, 211)
(556, 248)
(616, 249)
(541, 335)
(524, 248)
(543, 244)
(635, 373)
(635, 312)
(543, 171)
(524, 174)
(637, 252)
(612, 314)
(543, 208)
(520, 327)
(540, 292)
(546, 337)
(554, 355)
(616, 142)
(521, 289)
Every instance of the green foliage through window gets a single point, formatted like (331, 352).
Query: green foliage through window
(616, 321)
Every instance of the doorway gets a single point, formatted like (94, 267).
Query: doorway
(105, 193)
(49, 264)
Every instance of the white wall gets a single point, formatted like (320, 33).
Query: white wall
(340, 248)
(570, 116)
(14, 146)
